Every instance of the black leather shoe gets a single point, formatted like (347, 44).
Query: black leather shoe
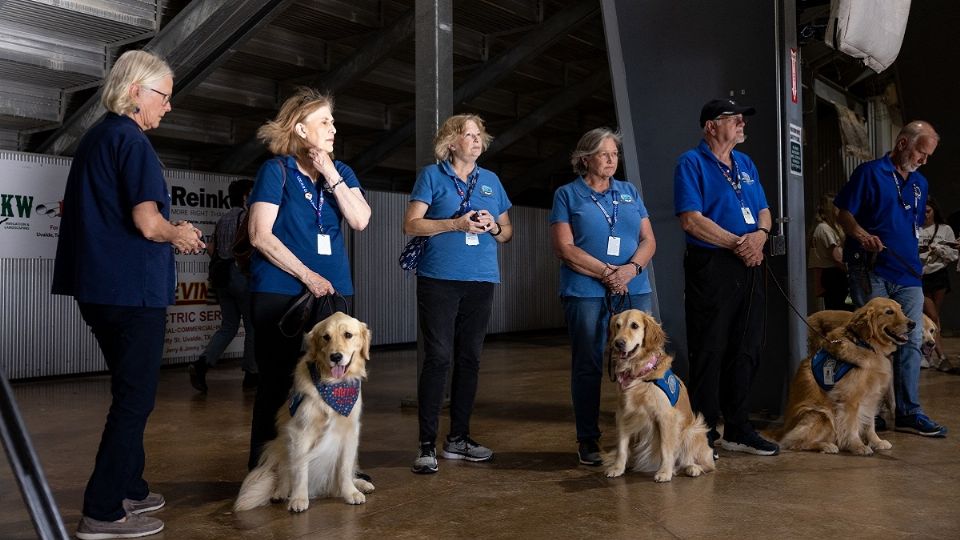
(198, 374)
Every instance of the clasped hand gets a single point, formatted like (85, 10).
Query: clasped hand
(475, 221)
(617, 278)
(188, 238)
(750, 248)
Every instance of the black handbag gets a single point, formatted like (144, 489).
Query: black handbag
(219, 272)
(305, 308)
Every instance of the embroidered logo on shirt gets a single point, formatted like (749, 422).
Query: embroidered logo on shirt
(745, 178)
(486, 190)
(625, 197)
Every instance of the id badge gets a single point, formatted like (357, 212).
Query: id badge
(323, 244)
(916, 232)
(472, 239)
(613, 246)
(829, 372)
(747, 215)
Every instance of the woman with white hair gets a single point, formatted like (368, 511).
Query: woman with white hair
(115, 257)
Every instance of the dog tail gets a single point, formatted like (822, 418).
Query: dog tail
(259, 485)
(695, 444)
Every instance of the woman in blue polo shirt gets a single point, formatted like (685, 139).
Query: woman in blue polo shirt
(601, 233)
(115, 257)
(297, 204)
(455, 279)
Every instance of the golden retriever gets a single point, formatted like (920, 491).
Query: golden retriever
(841, 417)
(652, 434)
(315, 452)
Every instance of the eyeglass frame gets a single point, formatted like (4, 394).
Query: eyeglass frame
(738, 118)
(166, 97)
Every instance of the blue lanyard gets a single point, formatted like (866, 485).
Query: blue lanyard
(465, 205)
(611, 220)
(318, 206)
(730, 175)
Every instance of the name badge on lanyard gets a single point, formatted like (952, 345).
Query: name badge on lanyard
(747, 215)
(323, 240)
(613, 241)
(323, 244)
(472, 239)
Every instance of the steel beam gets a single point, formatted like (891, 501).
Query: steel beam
(434, 73)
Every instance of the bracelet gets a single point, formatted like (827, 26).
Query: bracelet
(638, 267)
(499, 230)
(330, 188)
(764, 229)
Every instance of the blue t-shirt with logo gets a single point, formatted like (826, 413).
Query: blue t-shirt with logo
(700, 184)
(102, 258)
(297, 227)
(447, 255)
(574, 204)
(891, 208)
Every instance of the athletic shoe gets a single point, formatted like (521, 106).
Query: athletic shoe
(426, 462)
(751, 443)
(464, 447)
(920, 424)
(198, 374)
(132, 526)
(712, 437)
(589, 453)
(154, 501)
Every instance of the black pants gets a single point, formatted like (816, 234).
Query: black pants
(131, 339)
(725, 327)
(834, 281)
(453, 321)
(277, 356)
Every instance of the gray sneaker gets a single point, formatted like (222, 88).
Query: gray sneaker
(134, 526)
(426, 462)
(466, 448)
(154, 501)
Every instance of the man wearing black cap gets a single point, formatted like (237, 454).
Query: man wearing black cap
(724, 213)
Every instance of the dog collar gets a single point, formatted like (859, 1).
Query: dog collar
(340, 396)
(859, 342)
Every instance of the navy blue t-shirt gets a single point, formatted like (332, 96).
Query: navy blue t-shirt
(891, 208)
(102, 258)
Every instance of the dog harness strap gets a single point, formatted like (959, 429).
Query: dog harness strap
(670, 385)
(828, 370)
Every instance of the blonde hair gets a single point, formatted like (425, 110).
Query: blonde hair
(133, 67)
(280, 135)
(451, 129)
(589, 144)
(827, 213)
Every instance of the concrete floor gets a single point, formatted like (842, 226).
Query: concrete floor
(197, 451)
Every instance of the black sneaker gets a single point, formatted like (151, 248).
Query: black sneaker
(198, 374)
(920, 424)
(589, 453)
(751, 443)
(426, 462)
(712, 437)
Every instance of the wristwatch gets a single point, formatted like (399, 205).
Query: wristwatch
(637, 266)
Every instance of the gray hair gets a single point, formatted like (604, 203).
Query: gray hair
(916, 129)
(589, 144)
(133, 67)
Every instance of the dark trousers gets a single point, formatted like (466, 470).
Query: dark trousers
(131, 339)
(834, 281)
(277, 356)
(725, 328)
(453, 322)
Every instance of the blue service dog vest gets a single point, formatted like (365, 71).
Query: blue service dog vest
(828, 370)
(670, 385)
(340, 396)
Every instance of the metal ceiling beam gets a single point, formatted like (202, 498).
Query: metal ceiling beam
(361, 62)
(197, 41)
(486, 76)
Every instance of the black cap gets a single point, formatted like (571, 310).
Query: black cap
(720, 107)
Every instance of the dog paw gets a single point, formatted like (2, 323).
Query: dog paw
(662, 477)
(829, 448)
(298, 504)
(355, 498)
(614, 472)
(693, 470)
(862, 451)
(363, 485)
(882, 444)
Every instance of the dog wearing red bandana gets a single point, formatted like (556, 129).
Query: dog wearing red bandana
(656, 428)
(318, 431)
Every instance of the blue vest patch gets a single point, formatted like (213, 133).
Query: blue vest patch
(828, 370)
(341, 396)
(670, 385)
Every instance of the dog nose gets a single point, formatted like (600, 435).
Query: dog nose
(336, 357)
(620, 344)
(911, 325)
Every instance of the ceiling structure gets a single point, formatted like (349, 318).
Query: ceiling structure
(535, 70)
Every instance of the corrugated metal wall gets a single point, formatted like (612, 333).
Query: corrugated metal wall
(44, 335)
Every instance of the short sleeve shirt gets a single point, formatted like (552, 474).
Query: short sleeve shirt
(102, 258)
(700, 184)
(589, 215)
(447, 255)
(298, 225)
(891, 208)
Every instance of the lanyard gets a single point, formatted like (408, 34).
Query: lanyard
(318, 206)
(906, 206)
(465, 205)
(611, 220)
(735, 184)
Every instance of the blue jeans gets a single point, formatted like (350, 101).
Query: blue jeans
(906, 361)
(587, 321)
(234, 304)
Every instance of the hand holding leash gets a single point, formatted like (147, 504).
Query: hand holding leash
(870, 242)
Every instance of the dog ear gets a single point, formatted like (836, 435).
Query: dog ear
(654, 338)
(612, 328)
(861, 324)
(314, 339)
(365, 336)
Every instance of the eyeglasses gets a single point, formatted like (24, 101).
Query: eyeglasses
(608, 156)
(166, 97)
(737, 118)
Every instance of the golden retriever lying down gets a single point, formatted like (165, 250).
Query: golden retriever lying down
(652, 433)
(838, 415)
(315, 452)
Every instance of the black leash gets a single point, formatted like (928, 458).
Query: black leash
(795, 310)
(614, 304)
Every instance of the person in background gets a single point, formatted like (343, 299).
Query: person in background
(938, 250)
(826, 257)
(882, 212)
(233, 295)
(298, 202)
(115, 256)
(455, 279)
(601, 232)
